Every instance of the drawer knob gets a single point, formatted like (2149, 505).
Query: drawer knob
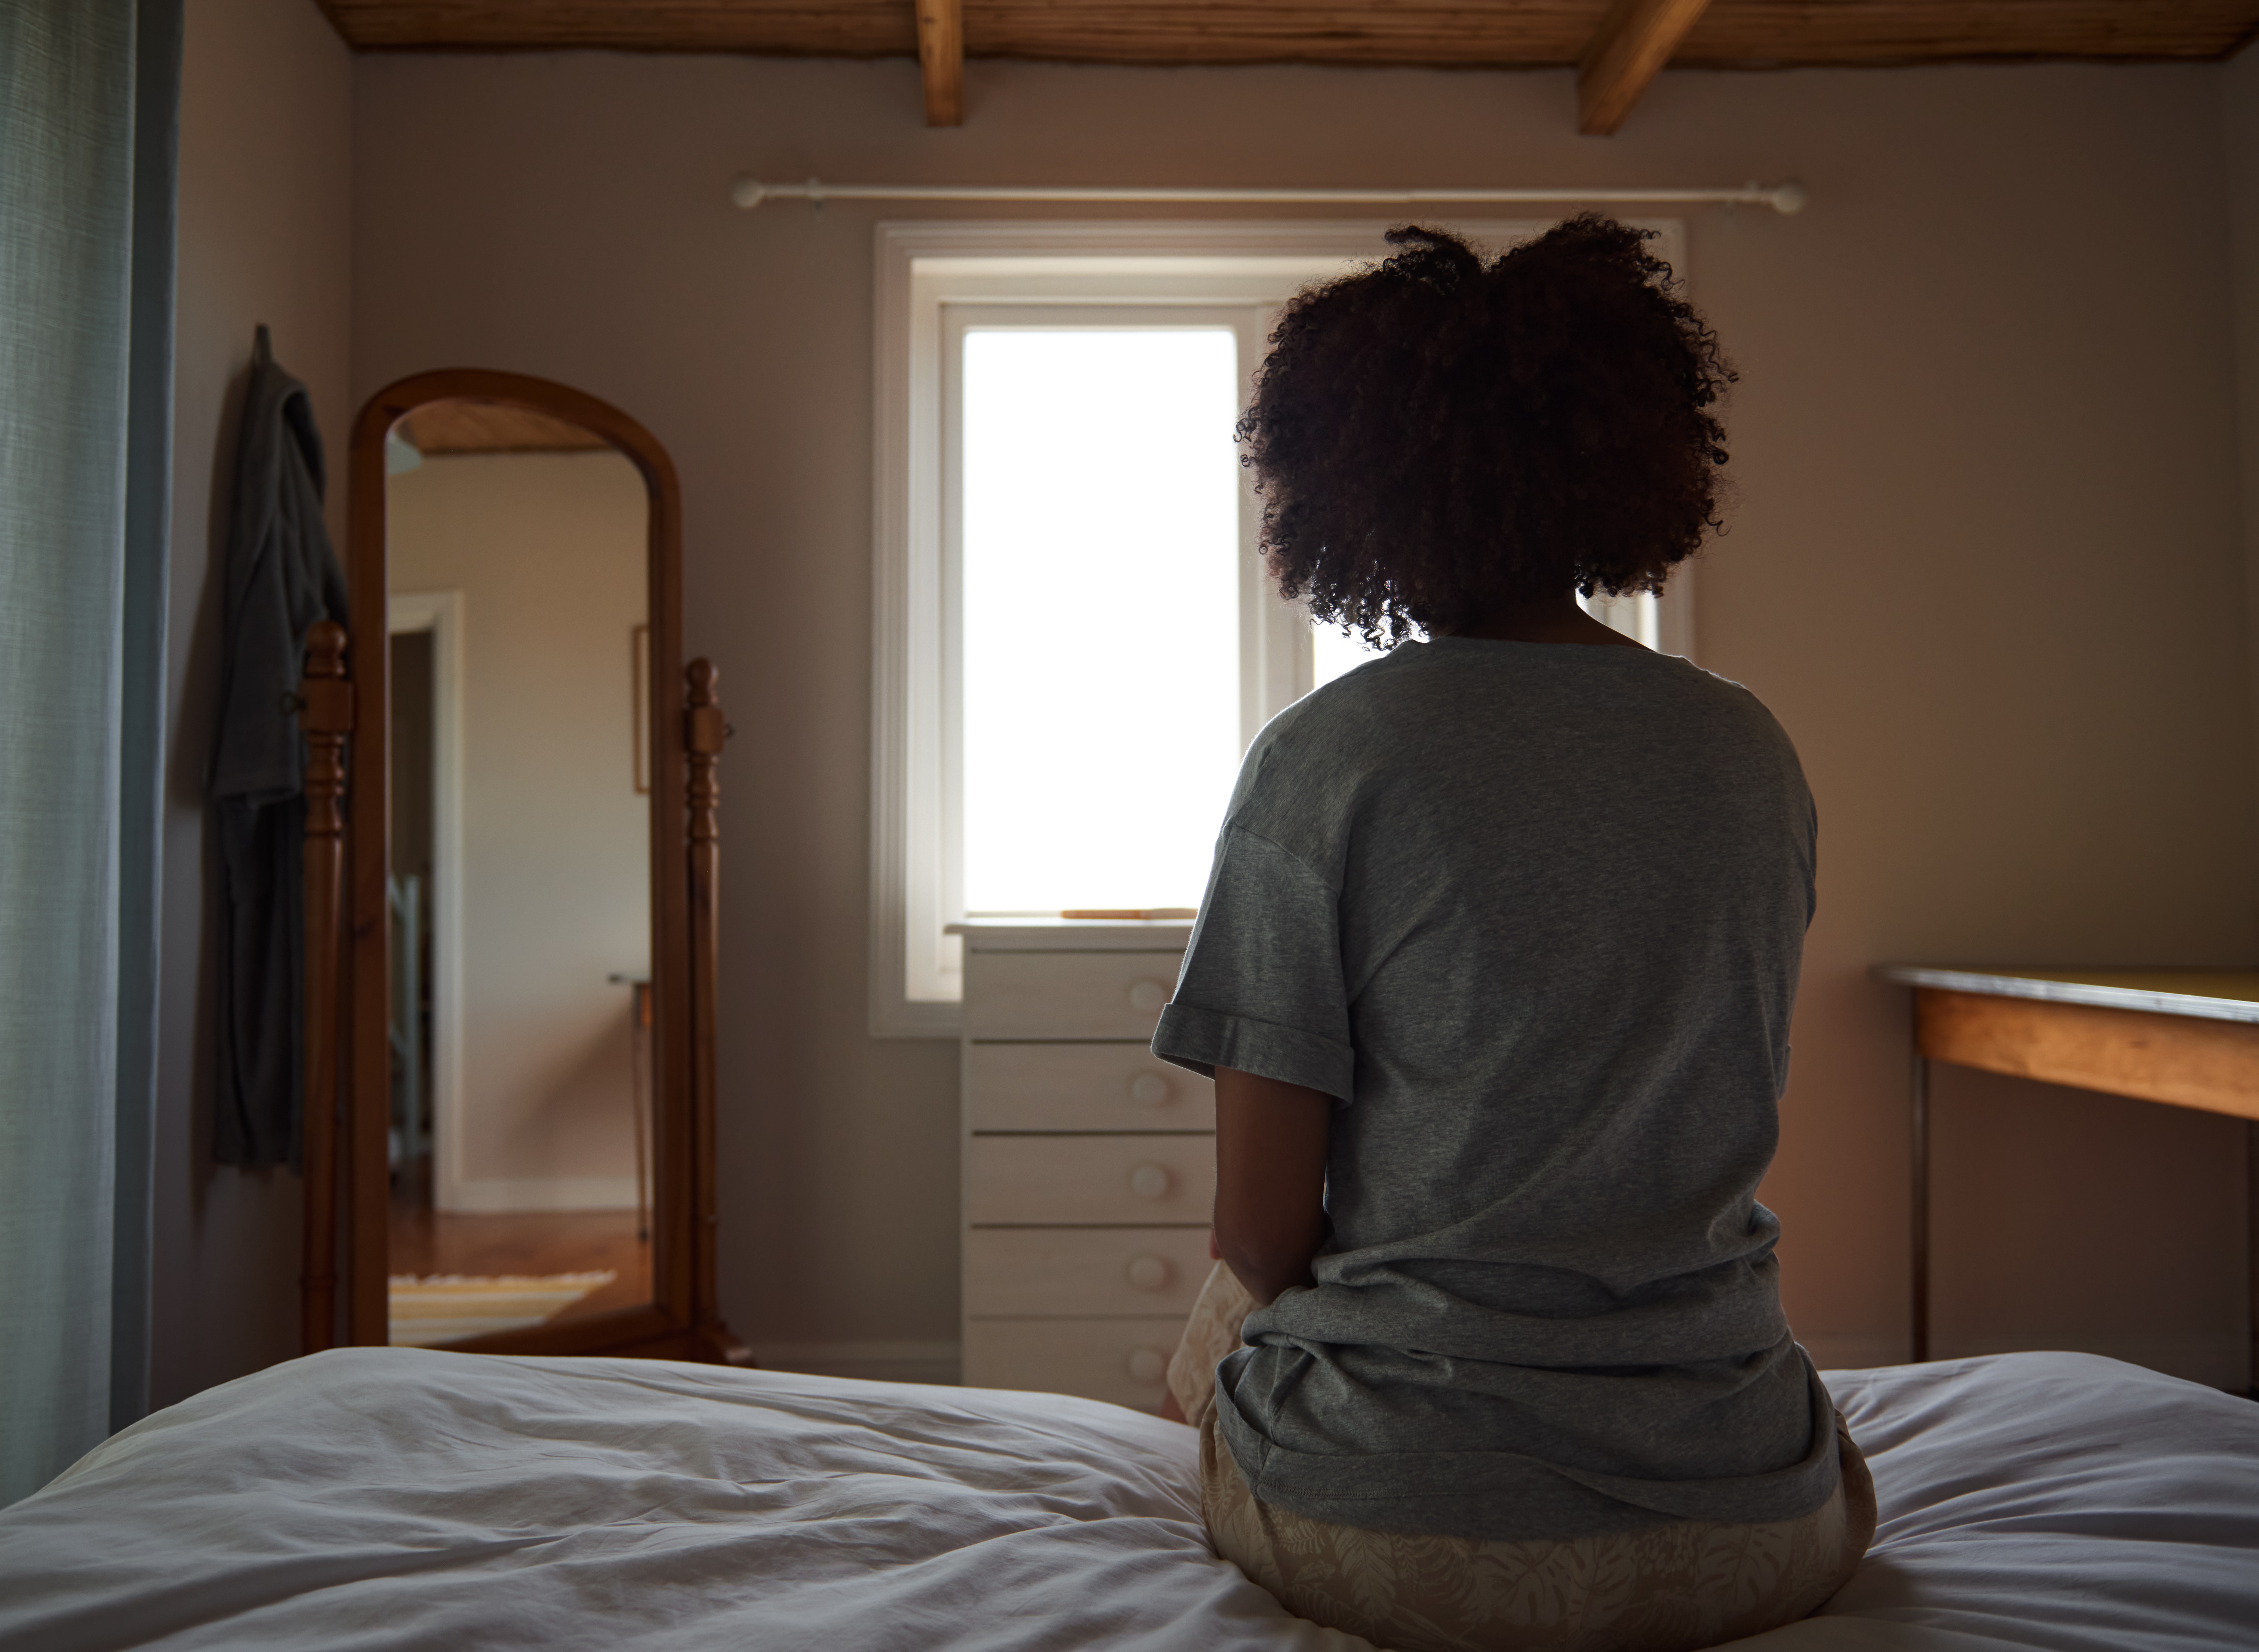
(1149, 1089)
(1147, 997)
(1148, 1365)
(1150, 1181)
(1149, 1273)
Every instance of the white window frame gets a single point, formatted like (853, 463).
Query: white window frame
(923, 269)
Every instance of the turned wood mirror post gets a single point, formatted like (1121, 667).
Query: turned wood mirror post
(678, 729)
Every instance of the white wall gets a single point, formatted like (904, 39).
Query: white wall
(547, 552)
(1987, 568)
(266, 235)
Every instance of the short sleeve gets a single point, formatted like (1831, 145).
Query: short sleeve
(1261, 989)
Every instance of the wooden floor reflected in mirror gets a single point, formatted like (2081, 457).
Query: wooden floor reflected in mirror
(456, 1276)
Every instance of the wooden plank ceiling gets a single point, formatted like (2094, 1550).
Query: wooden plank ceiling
(1467, 34)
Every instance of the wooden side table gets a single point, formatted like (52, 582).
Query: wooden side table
(2186, 1038)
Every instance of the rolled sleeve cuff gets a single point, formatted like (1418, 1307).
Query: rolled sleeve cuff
(1206, 1039)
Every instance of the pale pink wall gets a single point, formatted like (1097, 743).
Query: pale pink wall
(1987, 569)
(265, 235)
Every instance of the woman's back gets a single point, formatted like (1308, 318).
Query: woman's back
(1533, 913)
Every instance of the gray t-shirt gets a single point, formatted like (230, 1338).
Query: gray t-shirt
(1533, 913)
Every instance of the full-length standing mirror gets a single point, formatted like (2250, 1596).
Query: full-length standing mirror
(528, 915)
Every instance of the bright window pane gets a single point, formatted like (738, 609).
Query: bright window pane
(1636, 616)
(1333, 652)
(1101, 614)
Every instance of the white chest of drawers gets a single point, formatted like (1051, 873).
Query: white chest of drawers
(1089, 1167)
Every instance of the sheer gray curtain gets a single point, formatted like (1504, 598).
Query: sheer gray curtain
(71, 688)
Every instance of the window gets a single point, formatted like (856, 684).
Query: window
(1661, 624)
(1098, 552)
(1074, 639)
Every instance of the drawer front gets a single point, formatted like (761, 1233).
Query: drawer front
(1125, 1361)
(1090, 1180)
(1082, 1087)
(1084, 1270)
(1066, 995)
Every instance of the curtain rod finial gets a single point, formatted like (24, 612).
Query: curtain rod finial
(745, 190)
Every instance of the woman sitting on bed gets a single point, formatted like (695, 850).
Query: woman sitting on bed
(1495, 974)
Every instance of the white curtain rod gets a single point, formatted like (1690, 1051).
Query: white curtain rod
(1787, 199)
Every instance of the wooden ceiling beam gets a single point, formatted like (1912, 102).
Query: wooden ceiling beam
(941, 56)
(1629, 48)
(1389, 33)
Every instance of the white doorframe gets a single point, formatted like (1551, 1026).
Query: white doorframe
(441, 614)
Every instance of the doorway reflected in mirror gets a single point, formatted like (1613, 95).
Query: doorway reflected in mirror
(519, 1146)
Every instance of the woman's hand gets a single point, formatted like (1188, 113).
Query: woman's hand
(1270, 1179)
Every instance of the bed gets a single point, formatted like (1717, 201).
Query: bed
(399, 1498)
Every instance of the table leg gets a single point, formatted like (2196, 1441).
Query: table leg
(1920, 1085)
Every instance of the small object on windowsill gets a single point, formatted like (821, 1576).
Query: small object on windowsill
(1143, 914)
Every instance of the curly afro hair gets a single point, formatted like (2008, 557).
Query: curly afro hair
(1437, 435)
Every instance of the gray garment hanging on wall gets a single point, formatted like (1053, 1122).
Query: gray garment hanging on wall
(283, 577)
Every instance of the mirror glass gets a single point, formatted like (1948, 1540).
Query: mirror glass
(520, 874)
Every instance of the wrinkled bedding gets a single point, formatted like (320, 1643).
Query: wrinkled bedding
(400, 1497)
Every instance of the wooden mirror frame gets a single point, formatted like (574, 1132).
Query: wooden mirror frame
(680, 1320)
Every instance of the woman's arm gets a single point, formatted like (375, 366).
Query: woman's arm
(1270, 1179)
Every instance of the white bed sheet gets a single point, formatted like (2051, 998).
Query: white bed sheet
(394, 1499)
(2057, 1501)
